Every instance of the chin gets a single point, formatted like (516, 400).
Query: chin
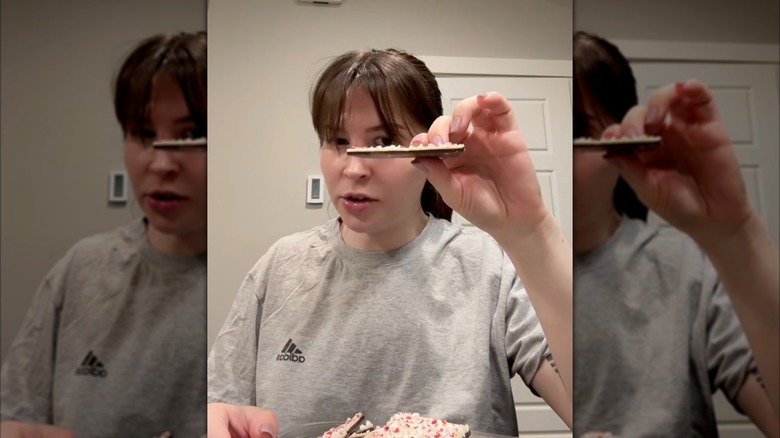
(365, 225)
(178, 226)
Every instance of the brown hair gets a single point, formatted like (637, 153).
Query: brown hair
(404, 92)
(603, 78)
(181, 55)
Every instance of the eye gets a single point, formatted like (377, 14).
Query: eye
(143, 135)
(341, 142)
(383, 141)
(192, 134)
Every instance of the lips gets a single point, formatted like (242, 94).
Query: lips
(358, 197)
(163, 196)
(165, 201)
(357, 203)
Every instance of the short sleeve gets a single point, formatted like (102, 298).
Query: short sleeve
(526, 345)
(729, 356)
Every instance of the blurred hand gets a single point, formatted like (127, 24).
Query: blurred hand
(233, 421)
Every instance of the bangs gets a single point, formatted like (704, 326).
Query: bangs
(182, 60)
(390, 96)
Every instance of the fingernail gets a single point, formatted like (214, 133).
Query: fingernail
(608, 135)
(632, 132)
(416, 142)
(455, 124)
(437, 139)
(267, 431)
(652, 115)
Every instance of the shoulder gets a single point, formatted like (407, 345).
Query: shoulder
(311, 245)
(471, 246)
(98, 248)
(101, 253)
(664, 243)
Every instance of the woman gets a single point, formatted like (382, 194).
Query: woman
(391, 307)
(656, 331)
(113, 343)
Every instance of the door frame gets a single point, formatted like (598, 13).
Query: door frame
(455, 65)
(687, 51)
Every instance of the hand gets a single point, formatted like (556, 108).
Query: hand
(233, 421)
(693, 180)
(493, 183)
(15, 429)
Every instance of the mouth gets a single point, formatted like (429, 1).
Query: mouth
(357, 198)
(166, 196)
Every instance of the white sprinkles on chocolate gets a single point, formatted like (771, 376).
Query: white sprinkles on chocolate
(402, 425)
(178, 143)
(397, 151)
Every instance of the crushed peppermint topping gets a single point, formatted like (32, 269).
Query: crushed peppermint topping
(402, 425)
(430, 146)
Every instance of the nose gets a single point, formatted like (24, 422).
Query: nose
(357, 168)
(163, 162)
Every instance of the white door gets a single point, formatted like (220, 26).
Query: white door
(543, 110)
(748, 99)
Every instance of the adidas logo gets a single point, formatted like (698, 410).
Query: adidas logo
(91, 366)
(290, 352)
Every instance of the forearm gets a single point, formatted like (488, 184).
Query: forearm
(747, 263)
(543, 261)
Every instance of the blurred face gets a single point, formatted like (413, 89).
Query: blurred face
(169, 185)
(372, 196)
(594, 177)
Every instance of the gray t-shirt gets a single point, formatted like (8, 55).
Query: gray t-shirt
(655, 336)
(320, 331)
(114, 343)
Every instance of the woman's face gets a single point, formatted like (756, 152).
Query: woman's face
(371, 195)
(169, 185)
(594, 178)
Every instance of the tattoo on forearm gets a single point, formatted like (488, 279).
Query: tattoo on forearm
(758, 377)
(552, 363)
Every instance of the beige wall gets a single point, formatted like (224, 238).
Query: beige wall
(58, 134)
(730, 21)
(262, 62)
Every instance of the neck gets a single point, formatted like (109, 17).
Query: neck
(591, 233)
(193, 244)
(388, 239)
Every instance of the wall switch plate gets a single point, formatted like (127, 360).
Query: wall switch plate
(315, 192)
(117, 186)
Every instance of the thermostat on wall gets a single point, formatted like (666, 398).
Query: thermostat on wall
(117, 186)
(314, 190)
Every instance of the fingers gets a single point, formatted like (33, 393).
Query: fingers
(495, 113)
(231, 421)
(633, 124)
(262, 422)
(636, 175)
(690, 101)
(14, 429)
(439, 131)
(442, 179)
(490, 111)
(421, 138)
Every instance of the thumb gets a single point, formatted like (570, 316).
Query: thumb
(262, 422)
(637, 177)
(441, 178)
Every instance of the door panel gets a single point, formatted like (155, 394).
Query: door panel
(542, 107)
